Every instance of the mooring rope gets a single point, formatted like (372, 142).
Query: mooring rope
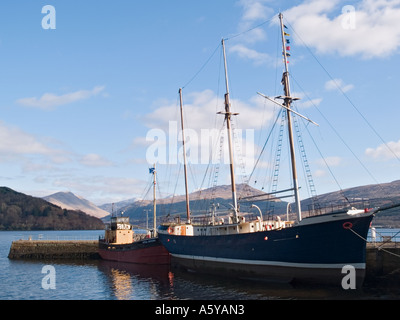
(378, 248)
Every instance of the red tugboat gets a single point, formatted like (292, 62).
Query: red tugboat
(122, 245)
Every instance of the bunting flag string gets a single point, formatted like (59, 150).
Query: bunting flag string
(287, 42)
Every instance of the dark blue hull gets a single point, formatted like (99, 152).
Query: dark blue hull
(314, 252)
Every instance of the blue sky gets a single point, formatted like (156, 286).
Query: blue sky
(77, 102)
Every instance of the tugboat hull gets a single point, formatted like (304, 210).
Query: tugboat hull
(148, 251)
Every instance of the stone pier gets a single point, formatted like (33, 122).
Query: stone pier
(48, 250)
(383, 263)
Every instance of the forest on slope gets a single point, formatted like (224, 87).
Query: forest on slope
(22, 212)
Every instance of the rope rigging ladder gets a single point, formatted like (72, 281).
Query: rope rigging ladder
(315, 206)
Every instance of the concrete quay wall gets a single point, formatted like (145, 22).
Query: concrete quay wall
(42, 249)
(383, 262)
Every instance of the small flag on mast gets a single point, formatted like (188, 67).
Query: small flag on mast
(287, 42)
(151, 170)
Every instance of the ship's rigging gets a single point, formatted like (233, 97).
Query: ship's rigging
(311, 248)
(299, 126)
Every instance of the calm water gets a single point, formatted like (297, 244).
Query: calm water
(100, 280)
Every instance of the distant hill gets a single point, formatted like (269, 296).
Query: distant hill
(116, 206)
(200, 202)
(70, 201)
(19, 211)
(374, 195)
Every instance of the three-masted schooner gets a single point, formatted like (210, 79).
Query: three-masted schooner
(312, 249)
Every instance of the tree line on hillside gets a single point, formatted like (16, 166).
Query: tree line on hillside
(22, 212)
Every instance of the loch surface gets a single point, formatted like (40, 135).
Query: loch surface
(101, 280)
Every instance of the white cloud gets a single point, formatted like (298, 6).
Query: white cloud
(319, 173)
(202, 126)
(14, 141)
(305, 101)
(330, 161)
(38, 157)
(29, 154)
(201, 108)
(254, 10)
(140, 142)
(309, 103)
(370, 29)
(250, 54)
(374, 29)
(94, 160)
(338, 84)
(49, 100)
(387, 151)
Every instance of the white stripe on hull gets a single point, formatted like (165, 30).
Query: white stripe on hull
(272, 263)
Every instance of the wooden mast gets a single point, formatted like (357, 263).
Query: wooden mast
(287, 103)
(228, 115)
(184, 158)
(154, 203)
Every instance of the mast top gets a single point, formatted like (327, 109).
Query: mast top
(226, 67)
(285, 53)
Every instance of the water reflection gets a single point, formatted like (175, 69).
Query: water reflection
(130, 281)
(142, 282)
(102, 280)
(121, 284)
